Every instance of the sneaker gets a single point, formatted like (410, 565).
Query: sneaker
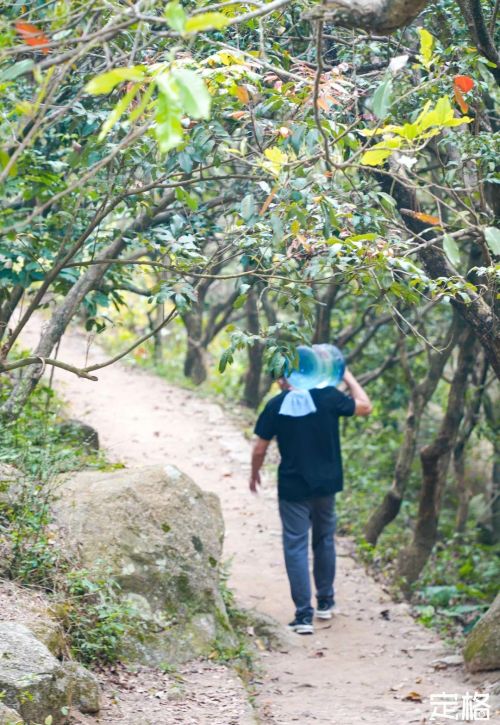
(324, 610)
(302, 625)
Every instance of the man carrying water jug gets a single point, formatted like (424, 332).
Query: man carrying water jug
(306, 425)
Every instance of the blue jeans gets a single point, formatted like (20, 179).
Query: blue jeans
(297, 517)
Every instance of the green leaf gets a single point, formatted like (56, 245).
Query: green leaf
(175, 16)
(382, 99)
(380, 151)
(206, 21)
(4, 160)
(248, 207)
(17, 69)
(492, 236)
(426, 46)
(451, 249)
(168, 130)
(183, 196)
(105, 82)
(193, 93)
(226, 359)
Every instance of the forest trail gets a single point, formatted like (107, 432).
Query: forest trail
(357, 668)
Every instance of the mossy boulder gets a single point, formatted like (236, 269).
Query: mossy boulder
(80, 434)
(160, 536)
(36, 684)
(482, 646)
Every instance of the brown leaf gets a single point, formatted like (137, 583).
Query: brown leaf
(427, 218)
(269, 199)
(413, 696)
(464, 106)
(242, 95)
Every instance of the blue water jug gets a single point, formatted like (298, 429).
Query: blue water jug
(318, 367)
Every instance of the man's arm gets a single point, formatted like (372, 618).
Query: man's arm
(258, 454)
(361, 399)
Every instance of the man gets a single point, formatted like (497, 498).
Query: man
(309, 476)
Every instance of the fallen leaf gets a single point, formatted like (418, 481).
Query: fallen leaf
(413, 696)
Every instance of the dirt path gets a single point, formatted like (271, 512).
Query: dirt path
(357, 668)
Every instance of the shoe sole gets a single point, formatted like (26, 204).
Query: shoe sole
(324, 615)
(302, 629)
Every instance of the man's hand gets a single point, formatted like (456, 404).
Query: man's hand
(255, 482)
(361, 399)
(258, 455)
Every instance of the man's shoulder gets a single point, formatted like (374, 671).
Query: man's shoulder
(275, 402)
(331, 396)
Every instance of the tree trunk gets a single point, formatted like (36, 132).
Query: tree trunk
(55, 329)
(155, 319)
(195, 366)
(469, 423)
(435, 459)
(375, 16)
(8, 308)
(492, 411)
(421, 393)
(391, 503)
(252, 386)
(324, 313)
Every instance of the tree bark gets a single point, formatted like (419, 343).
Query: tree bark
(480, 34)
(8, 308)
(251, 390)
(435, 459)
(155, 318)
(195, 363)
(324, 313)
(492, 412)
(470, 420)
(376, 16)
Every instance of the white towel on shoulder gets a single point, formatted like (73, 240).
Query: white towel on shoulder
(297, 403)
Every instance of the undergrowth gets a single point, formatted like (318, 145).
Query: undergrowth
(460, 579)
(86, 602)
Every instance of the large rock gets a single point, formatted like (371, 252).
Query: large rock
(482, 646)
(80, 434)
(160, 536)
(9, 716)
(32, 608)
(35, 683)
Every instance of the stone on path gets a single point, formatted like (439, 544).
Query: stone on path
(35, 683)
